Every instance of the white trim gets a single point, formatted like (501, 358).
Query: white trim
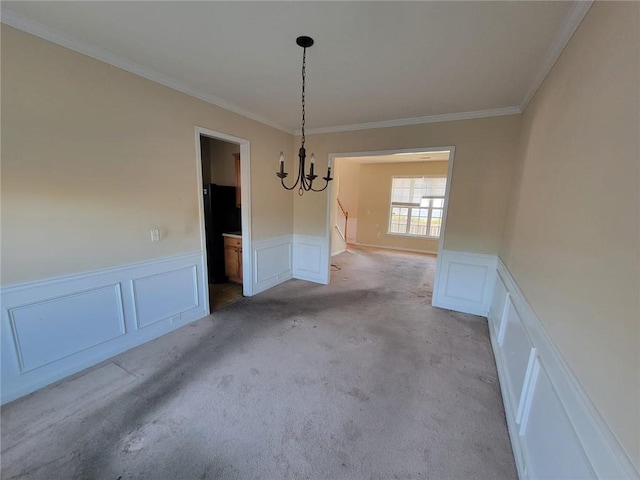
(452, 151)
(571, 22)
(326, 277)
(343, 241)
(464, 281)
(66, 308)
(312, 258)
(20, 22)
(443, 228)
(592, 437)
(509, 410)
(245, 193)
(400, 122)
(400, 249)
(245, 173)
(409, 235)
(277, 265)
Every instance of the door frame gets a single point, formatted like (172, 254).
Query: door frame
(330, 200)
(245, 181)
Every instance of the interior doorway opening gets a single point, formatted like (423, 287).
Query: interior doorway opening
(225, 220)
(395, 200)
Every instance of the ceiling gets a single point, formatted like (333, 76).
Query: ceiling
(373, 63)
(431, 156)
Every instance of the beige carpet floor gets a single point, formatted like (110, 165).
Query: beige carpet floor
(360, 379)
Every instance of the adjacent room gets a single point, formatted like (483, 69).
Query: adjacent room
(393, 200)
(323, 240)
(222, 200)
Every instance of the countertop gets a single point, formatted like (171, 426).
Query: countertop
(233, 234)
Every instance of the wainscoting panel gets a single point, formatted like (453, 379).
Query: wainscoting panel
(41, 329)
(272, 262)
(464, 282)
(57, 327)
(551, 447)
(555, 430)
(515, 350)
(311, 258)
(163, 295)
(498, 304)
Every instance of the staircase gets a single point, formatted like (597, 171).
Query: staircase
(342, 217)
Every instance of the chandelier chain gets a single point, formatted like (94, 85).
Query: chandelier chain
(304, 77)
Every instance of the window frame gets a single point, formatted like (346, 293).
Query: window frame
(411, 206)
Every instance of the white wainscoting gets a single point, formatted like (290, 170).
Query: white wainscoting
(555, 430)
(464, 282)
(338, 244)
(311, 258)
(272, 262)
(57, 327)
(279, 259)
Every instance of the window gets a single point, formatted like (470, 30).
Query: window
(417, 204)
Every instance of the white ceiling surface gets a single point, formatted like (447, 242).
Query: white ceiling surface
(372, 61)
(436, 156)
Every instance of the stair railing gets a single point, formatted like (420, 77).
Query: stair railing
(341, 221)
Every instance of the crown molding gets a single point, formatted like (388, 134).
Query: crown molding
(15, 20)
(447, 117)
(571, 22)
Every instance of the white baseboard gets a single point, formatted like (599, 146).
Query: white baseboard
(464, 282)
(397, 249)
(555, 430)
(311, 258)
(273, 260)
(57, 327)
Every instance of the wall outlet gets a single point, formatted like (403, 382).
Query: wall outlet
(155, 235)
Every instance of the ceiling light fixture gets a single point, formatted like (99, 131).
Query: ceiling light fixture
(305, 181)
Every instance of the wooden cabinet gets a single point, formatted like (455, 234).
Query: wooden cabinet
(233, 258)
(236, 156)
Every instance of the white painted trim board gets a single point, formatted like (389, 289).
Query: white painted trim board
(55, 327)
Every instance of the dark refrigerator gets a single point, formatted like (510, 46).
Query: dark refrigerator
(221, 215)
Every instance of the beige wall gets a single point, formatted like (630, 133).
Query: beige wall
(94, 157)
(375, 195)
(484, 155)
(347, 174)
(572, 236)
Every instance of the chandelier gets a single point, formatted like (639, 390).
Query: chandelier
(304, 181)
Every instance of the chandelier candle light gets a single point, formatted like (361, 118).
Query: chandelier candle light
(304, 181)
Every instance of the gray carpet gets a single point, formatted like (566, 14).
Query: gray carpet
(361, 379)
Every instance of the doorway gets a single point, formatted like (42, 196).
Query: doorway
(223, 167)
(391, 200)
